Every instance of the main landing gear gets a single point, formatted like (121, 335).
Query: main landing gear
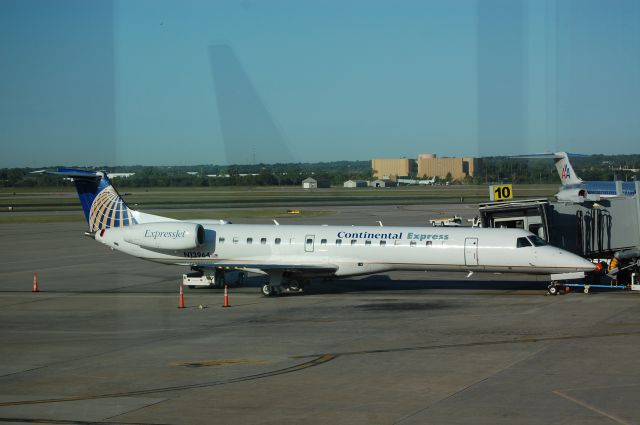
(267, 290)
(286, 286)
(553, 289)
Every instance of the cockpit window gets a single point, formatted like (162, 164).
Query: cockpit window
(523, 243)
(537, 241)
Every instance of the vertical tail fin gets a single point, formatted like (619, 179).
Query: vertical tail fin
(561, 159)
(102, 205)
(565, 170)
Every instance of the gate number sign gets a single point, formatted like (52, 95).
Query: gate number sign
(500, 193)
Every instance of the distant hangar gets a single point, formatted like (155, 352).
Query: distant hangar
(311, 183)
(356, 183)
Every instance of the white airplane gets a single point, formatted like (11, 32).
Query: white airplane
(574, 189)
(291, 255)
(430, 181)
(416, 181)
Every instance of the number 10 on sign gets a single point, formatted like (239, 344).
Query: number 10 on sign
(500, 193)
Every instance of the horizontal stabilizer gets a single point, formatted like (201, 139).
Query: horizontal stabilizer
(72, 173)
(548, 155)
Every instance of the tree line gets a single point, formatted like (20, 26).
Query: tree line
(205, 175)
(493, 170)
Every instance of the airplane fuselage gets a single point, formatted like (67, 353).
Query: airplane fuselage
(604, 189)
(355, 250)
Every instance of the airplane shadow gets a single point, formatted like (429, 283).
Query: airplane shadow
(381, 283)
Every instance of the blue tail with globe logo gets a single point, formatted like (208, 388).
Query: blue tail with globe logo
(102, 205)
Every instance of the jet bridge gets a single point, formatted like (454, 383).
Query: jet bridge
(604, 229)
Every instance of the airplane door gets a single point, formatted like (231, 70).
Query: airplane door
(309, 242)
(471, 251)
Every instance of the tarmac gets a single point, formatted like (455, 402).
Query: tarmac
(104, 342)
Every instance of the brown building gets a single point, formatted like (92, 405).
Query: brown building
(431, 166)
(392, 168)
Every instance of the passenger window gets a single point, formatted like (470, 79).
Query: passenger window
(383, 243)
(353, 241)
(523, 243)
(235, 239)
(413, 243)
(309, 241)
(429, 243)
(278, 240)
(367, 242)
(323, 241)
(263, 241)
(338, 241)
(292, 241)
(220, 240)
(249, 241)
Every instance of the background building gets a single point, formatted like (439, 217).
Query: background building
(356, 183)
(311, 183)
(383, 183)
(392, 168)
(431, 166)
(426, 166)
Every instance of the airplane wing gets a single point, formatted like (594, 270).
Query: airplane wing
(267, 267)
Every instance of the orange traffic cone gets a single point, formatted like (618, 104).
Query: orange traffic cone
(35, 283)
(226, 297)
(181, 302)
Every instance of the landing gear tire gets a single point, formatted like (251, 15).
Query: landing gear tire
(294, 286)
(267, 290)
(586, 290)
(552, 290)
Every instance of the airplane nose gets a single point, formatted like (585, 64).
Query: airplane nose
(570, 260)
(582, 264)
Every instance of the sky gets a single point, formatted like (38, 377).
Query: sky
(156, 82)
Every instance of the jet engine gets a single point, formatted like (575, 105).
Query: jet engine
(165, 235)
(576, 194)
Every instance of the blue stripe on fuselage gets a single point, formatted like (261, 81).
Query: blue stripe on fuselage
(609, 188)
